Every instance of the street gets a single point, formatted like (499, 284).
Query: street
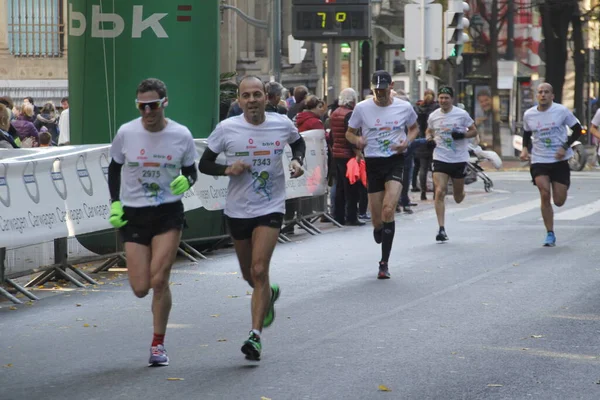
(491, 314)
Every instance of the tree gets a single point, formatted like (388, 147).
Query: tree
(495, 18)
(556, 17)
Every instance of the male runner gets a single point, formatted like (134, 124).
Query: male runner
(146, 188)
(383, 120)
(547, 123)
(254, 145)
(447, 129)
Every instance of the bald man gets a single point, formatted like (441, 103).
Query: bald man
(545, 131)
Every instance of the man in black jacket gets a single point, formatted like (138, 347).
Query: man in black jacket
(425, 155)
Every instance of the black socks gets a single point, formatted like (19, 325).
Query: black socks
(387, 237)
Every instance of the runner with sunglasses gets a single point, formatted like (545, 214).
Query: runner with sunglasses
(152, 165)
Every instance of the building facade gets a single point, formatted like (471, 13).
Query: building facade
(33, 50)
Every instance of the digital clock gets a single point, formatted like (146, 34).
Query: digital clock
(331, 21)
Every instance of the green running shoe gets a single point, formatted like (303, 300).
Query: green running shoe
(252, 347)
(270, 316)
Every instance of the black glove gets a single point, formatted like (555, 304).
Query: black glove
(458, 135)
(431, 144)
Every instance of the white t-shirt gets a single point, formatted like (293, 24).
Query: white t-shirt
(549, 130)
(382, 127)
(443, 124)
(596, 122)
(63, 126)
(596, 119)
(261, 190)
(151, 160)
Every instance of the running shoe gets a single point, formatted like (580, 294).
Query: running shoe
(252, 347)
(270, 317)
(158, 356)
(550, 240)
(378, 235)
(384, 272)
(441, 236)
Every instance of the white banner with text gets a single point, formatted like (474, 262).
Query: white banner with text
(49, 193)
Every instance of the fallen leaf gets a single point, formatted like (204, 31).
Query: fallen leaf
(86, 325)
(383, 388)
(537, 336)
(174, 379)
(12, 308)
(264, 398)
(7, 365)
(232, 296)
(77, 305)
(203, 345)
(494, 385)
(95, 326)
(248, 293)
(221, 340)
(41, 287)
(215, 315)
(515, 264)
(525, 348)
(29, 303)
(79, 319)
(597, 382)
(454, 352)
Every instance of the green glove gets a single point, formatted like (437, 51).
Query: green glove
(116, 215)
(180, 185)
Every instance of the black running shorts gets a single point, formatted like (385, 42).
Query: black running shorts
(242, 228)
(383, 169)
(143, 223)
(558, 172)
(453, 170)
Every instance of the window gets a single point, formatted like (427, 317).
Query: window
(35, 28)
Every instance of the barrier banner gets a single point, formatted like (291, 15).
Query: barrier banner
(57, 192)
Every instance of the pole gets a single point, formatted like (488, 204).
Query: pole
(276, 41)
(332, 67)
(413, 81)
(423, 55)
(510, 30)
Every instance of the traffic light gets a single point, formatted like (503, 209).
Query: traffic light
(295, 51)
(454, 25)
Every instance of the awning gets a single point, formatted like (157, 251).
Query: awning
(42, 91)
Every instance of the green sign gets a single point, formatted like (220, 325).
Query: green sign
(115, 45)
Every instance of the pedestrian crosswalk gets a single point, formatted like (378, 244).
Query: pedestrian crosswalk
(524, 208)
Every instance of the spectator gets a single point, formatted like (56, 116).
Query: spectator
(29, 100)
(6, 140)
(24, 127)
(64, 124)
(312, 118)
(300, 94)
(47, 118)
(45, 137)
(64, 103)
(273, 90)
(346, 194)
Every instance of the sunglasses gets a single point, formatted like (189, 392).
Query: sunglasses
(149, 105)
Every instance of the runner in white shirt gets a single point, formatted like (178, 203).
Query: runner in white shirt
(551, 149)
(146, 188)
(594, 126)
(254, 144)
(383, 121)
(448, 127)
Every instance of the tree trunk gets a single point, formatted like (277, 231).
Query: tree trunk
(579, 60)
(496, 140)
(556, 16)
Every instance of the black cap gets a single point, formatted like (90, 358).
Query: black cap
(381, 79)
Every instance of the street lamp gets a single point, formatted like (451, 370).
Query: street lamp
(376, 8)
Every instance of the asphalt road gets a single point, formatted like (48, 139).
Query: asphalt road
(489, 315)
